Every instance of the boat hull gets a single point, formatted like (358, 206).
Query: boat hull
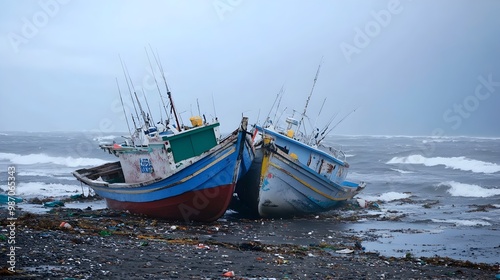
(202, 205)
(290, 189)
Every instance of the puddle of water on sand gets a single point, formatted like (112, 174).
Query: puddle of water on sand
(420, 240)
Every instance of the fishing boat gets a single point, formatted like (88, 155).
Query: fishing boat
(172, 171)
(293, 173)
(188, 176)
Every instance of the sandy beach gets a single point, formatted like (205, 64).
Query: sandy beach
(97, 244)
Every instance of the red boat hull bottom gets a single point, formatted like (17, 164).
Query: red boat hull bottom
(204, 205)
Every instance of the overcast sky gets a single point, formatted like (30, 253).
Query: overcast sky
(409, 67)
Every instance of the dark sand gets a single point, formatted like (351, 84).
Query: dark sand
(105, 244)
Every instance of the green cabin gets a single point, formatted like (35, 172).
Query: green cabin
(192, 142)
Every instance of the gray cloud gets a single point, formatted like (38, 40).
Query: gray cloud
(419, 63)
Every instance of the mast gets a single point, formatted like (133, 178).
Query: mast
(310, 94)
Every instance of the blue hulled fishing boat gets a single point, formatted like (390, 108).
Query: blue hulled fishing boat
(293, 173)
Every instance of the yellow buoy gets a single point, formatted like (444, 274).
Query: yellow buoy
(196, 121)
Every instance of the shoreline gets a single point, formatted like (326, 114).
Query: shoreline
(106, 243)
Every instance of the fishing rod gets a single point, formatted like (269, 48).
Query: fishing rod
(147, 105)
(340, 121)
(123, 107)
(169, 94)
(329, 123)
(315, 121)
(146, 120)
(272, 107)
(309, 97)
(198, 105)
(129, 90)
(213, 104)
(156, 83)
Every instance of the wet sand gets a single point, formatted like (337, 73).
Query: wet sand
(116, 245)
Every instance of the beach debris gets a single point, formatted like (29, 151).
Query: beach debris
(65, 225)
(228, 274)
(202, 246)
(104, 233)
(344, 251)
(55, 203)
(362, 203)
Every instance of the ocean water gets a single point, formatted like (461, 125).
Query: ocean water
(437, 196)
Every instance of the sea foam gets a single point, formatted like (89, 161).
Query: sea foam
(469, 223)
(388, 196)
(43, 158)
(468, 190)
(402, 171)
(47, 190)
(460, 163)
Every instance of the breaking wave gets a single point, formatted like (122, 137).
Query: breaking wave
(468, 190)
(43, 158)
(461, 163)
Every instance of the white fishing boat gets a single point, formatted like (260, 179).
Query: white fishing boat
(293, 173)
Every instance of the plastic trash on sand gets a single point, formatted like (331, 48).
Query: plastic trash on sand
(228, 274)
(55, 203)
(344, 251)
(65, 225)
